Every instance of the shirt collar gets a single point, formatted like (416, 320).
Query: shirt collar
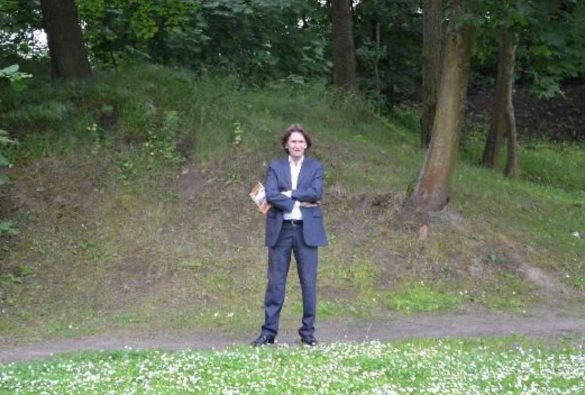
(300, 161)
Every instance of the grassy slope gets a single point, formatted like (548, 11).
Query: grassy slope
(115, 234)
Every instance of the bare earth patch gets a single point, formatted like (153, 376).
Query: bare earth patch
(549, 325)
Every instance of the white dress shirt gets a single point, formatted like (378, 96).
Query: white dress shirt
(295, 170)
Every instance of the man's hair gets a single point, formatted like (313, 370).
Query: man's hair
(295, 127)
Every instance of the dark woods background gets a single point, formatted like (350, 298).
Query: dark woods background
(264, 40)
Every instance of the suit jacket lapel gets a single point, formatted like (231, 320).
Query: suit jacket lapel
(303, 172)
(286, 172)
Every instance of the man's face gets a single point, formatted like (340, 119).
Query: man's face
(296, 145)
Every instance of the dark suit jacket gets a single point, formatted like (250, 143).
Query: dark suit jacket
(309, 189)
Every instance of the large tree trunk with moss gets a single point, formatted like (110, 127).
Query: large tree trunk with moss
(344, 63)
(68, 54)
(503, 119)
(431, 64)
(511, 40)
(432, 189)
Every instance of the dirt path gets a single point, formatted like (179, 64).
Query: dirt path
(546, 325)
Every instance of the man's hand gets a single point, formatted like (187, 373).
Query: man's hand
(288, 194)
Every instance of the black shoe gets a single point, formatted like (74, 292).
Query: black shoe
(309, 341)
(263, 340)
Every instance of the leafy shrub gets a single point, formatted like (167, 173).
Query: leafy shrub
(16, 79)
(15, 76)
(6, 227)
(200, 35)
(161, 142)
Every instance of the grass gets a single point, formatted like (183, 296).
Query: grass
(420, 297)
(490, 366)
(131, 200)
(541, 217)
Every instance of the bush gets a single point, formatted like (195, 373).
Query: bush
(16, 79)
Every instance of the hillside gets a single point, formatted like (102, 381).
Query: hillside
(130, 197)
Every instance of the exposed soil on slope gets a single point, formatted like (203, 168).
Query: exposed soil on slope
(561, 118)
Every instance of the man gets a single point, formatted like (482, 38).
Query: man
(294, 223)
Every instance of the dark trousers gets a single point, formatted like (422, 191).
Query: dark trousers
(291, 238)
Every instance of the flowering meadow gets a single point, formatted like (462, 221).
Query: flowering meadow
(410, 367)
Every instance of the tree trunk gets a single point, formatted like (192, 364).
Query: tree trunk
(510, 49)
(512, 164)
(503, 119)
(377, 61)
(431, 64)
(432, 189)
(344, 63)
(68, 54)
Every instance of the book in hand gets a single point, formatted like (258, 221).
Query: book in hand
(258, 195)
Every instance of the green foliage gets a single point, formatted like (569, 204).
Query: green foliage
(398, 54)
(259, 40)
(4, 142)
(8, 228)
(16, 78)
(17, 276)
(555, 49)
(158, 149)
(551, 47)
(161, 142)
(19, 18)
(238, 132)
